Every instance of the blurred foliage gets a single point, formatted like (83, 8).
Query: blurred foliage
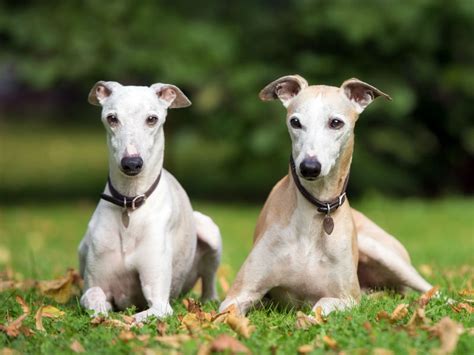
(222, 53)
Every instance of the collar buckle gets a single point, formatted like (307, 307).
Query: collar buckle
(140, 199)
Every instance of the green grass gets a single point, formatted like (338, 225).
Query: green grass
(40, 242)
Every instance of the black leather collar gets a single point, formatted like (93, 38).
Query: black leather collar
(323, 206)
(127, 202)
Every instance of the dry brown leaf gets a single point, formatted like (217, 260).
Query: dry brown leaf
(76, 347)
(303, 321)
(192, 305)
(418, 318)
(241, 325)
(39, 320)
(318, 315)
(330, 342)
(222, 316)
(22, 303)
(61, 290)
(427, 296)
(399, 312)
(191, 323)
(462, 306)
(8, 351)
(143, 337)
(382, 351)
(126, 335)
(448, 332)
(466, 293)
(128, 319)
(14, 328)
(47, 312)
(173, 341)
(113, 323)
(305, 349)
(225, 342)
(382, 315)
(161, 327)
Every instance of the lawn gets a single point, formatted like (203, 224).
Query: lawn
(43, 215)
(39, 242)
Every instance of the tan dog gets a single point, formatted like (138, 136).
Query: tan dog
(309, 245)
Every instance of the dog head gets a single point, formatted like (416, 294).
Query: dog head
(133, 117)
(320, 119)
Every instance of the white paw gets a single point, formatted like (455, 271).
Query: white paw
(159, 311)
(94, 299)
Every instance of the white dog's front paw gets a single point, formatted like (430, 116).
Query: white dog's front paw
(159, 311)
(94, 299)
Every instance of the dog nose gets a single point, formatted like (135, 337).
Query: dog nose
(310, 168)
(132, 165)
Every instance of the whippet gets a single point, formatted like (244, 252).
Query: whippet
(309, 245)
(144, 244)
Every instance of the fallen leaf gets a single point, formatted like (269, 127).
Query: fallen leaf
(305, 349)
(382, 351)
(466, 293)
(126, 335)
(191, 323)
(173, 341)
(303, 321)
(192, 305)
(241, 325)
(318, 315)
(225, 342)
(113, 323)
(462, 306)
(161, 327)
(417, 319)
(14, 328)
(382, 315)
(128, 319)
(8, 351)
(426, 270)
(427, 296)
(448, 332)
(22, 303)
(61, 290)
(47, 312)
(399, 312)
(330, 342)
(76, 347)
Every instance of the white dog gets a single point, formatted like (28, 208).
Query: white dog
(309, 245)
(144, 245)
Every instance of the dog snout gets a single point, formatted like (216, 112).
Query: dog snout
(132, 165)
(310, 168)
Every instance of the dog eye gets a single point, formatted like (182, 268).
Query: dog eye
(295, 123)
(335, 123)
(151, 120)
(112, 120)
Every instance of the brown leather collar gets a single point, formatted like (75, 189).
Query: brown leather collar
(129, 202)
(323, 206)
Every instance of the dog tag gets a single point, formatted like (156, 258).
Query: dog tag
(328, 224)
(125, 218)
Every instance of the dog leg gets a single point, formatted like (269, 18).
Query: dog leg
(381, 266)
(330, 304)
(156, 284)
(209, 253)
(94, 299)
(256, 277)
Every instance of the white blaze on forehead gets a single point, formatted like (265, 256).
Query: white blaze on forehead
(131, 150)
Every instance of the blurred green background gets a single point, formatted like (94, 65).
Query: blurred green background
(229, 145)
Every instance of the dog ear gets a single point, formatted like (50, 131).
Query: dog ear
(285, 89)
(100, 91)
(361, 94)
(171, 96)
